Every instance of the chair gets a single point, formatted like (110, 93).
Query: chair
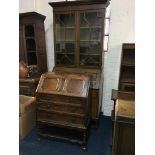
(27, 115)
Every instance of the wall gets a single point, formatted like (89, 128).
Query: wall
(26, 5)
(121, 30)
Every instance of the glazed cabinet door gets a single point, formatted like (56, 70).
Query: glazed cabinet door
(91, 37)
(65, 38)
(79, 38)
(27, 44)
(30, 44)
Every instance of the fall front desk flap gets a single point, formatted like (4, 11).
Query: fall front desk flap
(64, 84)
(95, 74)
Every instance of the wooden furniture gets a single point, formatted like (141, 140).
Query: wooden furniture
(95, 88)
(121, 95)
(27, 86)
(124, 128)
(63, 107)
(32, 49)
(127, 68)
(78, 33)
(32, 40)
(126, 88)
(78, 43)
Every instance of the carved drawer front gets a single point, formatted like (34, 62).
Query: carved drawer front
(62, 107)
(61, 99)
(59, 118)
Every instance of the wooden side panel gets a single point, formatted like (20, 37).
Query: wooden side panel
(41, 47)
(95, 109)
(124, 139)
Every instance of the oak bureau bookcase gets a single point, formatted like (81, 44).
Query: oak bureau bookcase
(78, 43)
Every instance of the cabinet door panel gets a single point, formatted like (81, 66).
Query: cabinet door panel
(30, 43)
(90, 37)
(65, 38)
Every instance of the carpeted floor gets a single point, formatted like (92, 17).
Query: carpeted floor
(98, 143)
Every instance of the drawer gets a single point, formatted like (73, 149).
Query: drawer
(61, 99)
(59, 118)
(61, 107)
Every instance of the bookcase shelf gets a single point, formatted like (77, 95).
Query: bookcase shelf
(127, 68)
